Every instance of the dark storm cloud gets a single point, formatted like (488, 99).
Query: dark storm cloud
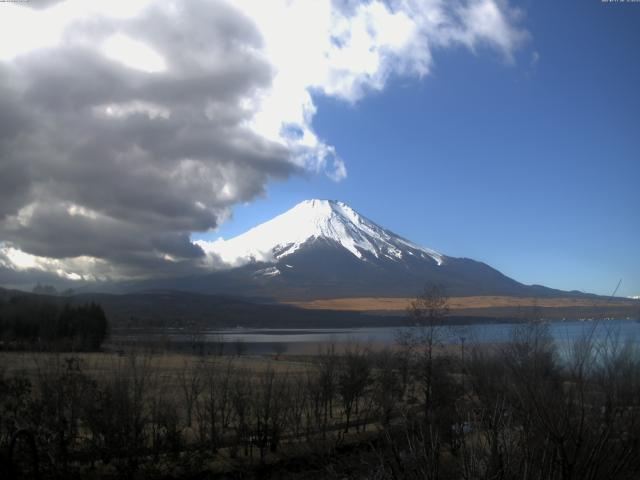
(105, 161)
(14, 187)
(15, 122)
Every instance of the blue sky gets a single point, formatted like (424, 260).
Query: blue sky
(502, 131)
(531, 166)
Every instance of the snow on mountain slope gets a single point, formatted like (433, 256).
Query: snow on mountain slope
(311, 220)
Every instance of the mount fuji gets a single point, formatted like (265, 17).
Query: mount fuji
(325, 249)
(312, 221)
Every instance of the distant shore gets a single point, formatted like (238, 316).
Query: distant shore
(489, 308)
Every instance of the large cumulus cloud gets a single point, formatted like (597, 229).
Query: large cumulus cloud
(106, 161)
(121, 132)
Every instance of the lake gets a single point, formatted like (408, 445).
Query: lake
(299, 341)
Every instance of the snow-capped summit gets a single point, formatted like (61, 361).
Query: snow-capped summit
(328, 221)
(325, 249)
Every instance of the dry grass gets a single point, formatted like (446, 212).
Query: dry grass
(363, 304)
(169, 364)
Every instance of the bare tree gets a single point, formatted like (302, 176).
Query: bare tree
(328, 380)
(354, 378)
(426, 313)
(241, 394)
(269, 402)
(214, 411)
(387, 386)
(191, 385)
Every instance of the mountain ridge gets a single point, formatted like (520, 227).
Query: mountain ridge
(322, 249)
(312, 219)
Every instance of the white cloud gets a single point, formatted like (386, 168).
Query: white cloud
(133, 54)
(79, 268)
(19, 259)
(341, 52)
(24, 28)
(189, 107)
(121, 110)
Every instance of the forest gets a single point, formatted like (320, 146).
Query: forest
(520, 410)
(31, 322)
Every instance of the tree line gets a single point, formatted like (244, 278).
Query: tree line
(35, 323)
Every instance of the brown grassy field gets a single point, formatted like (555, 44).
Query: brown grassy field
(364, 304)
(167, 364)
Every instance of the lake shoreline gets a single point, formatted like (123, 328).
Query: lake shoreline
(272, 341)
